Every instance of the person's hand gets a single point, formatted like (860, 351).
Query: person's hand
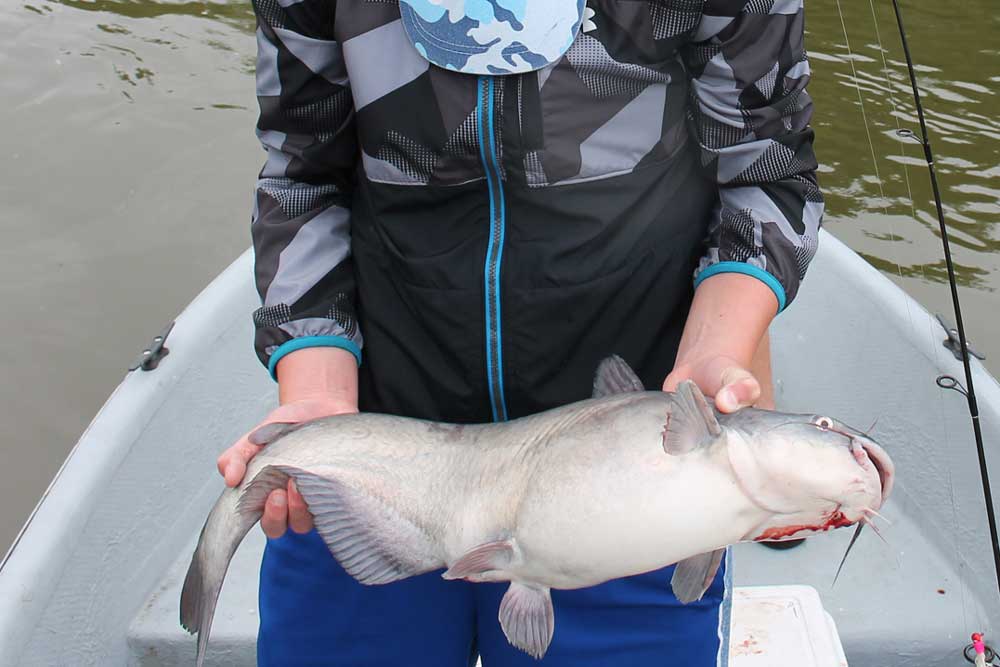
(724, 378)
(284, 508)
(724, 337)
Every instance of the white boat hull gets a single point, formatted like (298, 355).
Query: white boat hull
(93, 578)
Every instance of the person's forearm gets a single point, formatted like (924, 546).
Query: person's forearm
(729, 317)
(761, 369)
(318, 373)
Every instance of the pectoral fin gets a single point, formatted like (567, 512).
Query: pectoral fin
(527, 618)
(614, 376)
(694, 575)
(268, 433)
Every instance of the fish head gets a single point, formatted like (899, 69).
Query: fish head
(810, 472)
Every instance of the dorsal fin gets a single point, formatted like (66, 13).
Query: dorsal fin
(691, 422)
(614, 376)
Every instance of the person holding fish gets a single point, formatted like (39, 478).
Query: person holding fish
(489, 197)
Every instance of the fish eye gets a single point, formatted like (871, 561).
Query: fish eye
(824, 423)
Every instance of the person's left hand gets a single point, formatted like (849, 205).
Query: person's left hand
(724, 378)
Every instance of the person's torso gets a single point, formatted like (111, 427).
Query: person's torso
(510, 231)
(614, 103)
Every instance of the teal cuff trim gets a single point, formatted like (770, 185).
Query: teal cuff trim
(747, 270)
(311, 341)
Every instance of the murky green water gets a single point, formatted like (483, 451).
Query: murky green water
(878, 193)
(129, 158)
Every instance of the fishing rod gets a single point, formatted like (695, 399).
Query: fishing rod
(969, 391)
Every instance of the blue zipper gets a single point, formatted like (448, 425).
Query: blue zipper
(494, 251)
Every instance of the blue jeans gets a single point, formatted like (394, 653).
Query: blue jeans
(314, 613)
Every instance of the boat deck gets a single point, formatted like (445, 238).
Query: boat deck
(869, 616)
(94, 580)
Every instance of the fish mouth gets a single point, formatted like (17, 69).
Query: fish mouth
(866, 451)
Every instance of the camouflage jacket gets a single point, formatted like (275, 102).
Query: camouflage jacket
(358, 126)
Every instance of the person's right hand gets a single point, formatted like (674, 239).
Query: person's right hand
(284, 508)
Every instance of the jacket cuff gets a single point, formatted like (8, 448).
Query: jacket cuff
(747, 270)
(311, 341)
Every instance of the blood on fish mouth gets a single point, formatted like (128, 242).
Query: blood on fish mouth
(836, 519)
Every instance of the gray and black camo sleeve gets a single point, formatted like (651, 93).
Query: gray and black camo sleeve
(751, 112)
(302, 217)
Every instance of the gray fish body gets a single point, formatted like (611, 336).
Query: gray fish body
(562, 484)
(600, 489)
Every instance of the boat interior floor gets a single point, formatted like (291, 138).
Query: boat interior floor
(918, 607)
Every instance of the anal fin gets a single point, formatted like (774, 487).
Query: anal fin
(373, 541)
(694, 575)
(527, 618)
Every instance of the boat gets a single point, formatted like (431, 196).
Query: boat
(94, 577)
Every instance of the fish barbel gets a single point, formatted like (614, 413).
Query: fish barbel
(624, 483)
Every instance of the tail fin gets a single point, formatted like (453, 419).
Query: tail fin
(234, 513)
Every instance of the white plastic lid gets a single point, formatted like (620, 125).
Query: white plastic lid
(782, 626)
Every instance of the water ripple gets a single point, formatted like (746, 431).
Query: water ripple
(958, 94)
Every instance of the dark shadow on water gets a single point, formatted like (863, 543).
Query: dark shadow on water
(966, 276)
(236, 14)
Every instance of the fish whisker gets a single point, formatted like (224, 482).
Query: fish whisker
(869, 510)
(843, 560)
(875, 528)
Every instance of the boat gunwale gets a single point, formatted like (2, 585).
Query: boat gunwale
(34, 562)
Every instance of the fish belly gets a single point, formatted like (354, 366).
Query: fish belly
(584, 525)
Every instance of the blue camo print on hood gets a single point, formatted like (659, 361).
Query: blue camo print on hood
(492, 36)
